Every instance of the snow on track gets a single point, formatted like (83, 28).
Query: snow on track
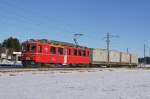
(80, 84)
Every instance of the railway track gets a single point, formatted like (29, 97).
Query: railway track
(43, 69)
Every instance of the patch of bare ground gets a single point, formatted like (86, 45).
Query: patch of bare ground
(12, 74)
(81, 71)
(91, 71)
(65, 72)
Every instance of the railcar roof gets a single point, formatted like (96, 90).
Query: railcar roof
(53, 42)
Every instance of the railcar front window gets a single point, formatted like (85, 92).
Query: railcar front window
(24, 48)
(33, 48)
(28, 48)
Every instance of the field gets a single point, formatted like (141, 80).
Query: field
(121, 83)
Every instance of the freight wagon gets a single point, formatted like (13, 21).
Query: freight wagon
(37, 53)
(100, 57)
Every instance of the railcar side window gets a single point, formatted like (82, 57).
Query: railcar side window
(84, 53)
(60, 51)
(75, 52)
(53, 50)
(39, 49)
(79, 52)
(69, 51)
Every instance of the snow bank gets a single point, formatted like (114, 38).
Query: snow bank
(82, 84)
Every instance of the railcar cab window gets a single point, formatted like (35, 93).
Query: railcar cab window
(53, 50)
(75, 52)
(60, 51)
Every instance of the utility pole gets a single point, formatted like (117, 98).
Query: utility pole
(107, 37)
(108, 47)
(76, 37)
(144, 55)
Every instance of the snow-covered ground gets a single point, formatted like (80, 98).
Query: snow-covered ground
(81, 84)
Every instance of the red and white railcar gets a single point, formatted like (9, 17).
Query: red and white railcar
(54, 52)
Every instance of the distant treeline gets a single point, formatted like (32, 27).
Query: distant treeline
(145, 60)
(10, 45)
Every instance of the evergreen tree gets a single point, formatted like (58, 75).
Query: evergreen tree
(12, 44)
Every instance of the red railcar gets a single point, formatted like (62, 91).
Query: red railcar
(54, 52)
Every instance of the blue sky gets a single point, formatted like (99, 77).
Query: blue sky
(60, 19)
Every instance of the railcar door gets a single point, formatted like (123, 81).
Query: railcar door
(65, 56)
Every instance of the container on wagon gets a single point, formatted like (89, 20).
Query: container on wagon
(125, 58)
(114, 56)
(99, 56)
